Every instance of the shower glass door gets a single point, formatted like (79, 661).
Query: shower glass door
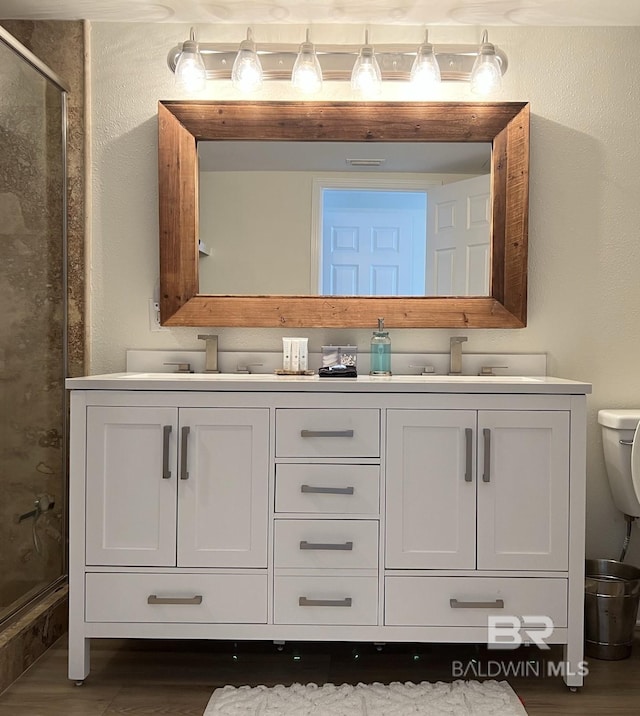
(32, 326)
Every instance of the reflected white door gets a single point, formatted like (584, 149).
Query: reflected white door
(458, 238)
(373, 252)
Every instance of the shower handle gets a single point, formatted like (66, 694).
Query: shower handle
(43, 503)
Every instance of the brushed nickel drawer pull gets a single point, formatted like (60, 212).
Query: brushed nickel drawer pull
(625, 442)
(305, 602)
(345, 546)
(326, 433)
(312, 489)
(155, 599)
(184, 474)
(486, 476)
(166, 432)
(456, 604)
(468, 469)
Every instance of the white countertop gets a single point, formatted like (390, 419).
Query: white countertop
(265, 382)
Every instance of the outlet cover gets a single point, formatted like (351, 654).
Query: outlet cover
(154, 316)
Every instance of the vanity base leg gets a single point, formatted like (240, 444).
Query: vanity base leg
(79, 659)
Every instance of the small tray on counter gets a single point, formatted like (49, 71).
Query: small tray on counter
(338, 371)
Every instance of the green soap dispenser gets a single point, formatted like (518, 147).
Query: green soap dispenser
(380, 351)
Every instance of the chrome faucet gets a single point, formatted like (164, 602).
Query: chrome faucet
(211, 353)
(455, 354)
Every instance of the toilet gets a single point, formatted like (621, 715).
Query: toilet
(612, 589)
(622, 457)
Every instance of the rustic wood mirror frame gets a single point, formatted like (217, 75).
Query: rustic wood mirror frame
(182, 124)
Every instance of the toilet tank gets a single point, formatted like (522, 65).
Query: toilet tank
(620, 425)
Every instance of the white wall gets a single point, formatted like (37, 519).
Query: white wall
(253, 221)
(584, 288)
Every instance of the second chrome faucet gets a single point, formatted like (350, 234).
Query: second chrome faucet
(455, 354)
(211, 352)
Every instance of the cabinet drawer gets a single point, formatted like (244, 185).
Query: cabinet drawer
(210, 598)
(427, 601)
(337, 489)
(348, 544)
(325, 432)
(326, 600)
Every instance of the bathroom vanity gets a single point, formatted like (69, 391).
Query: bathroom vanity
(404, 508)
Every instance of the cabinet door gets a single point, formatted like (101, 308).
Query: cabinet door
(223, 487)
(131, 486)
(431, 489)
(523, 489)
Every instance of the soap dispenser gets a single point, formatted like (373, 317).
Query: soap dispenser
(380, 351)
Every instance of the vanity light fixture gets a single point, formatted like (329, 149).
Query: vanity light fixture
(366, 78)
(425, 71)
(246, 74)
(308, 65)
(486, 75)
(190, 71)
(307, 73)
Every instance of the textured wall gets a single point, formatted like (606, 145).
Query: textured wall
(584, 292)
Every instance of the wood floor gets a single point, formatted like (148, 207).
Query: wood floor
(153, 678)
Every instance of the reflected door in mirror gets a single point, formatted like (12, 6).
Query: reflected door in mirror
(458, 246)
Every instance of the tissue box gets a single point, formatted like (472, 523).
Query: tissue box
(339, 355)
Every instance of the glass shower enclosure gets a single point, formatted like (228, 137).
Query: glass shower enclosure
(33, 340)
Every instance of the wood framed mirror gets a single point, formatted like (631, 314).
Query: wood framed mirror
(182, 124)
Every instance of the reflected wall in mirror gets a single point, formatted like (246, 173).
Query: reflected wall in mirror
(371, 126)
(344, 218)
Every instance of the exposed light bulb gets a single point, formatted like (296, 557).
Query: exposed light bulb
(246, 74)
(307, 73)
(425, 71)
(366, 79)
(486, 75)
(190, 72)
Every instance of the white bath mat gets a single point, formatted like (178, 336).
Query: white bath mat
(460, 698)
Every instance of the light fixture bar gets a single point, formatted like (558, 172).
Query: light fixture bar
(336, 61)
(365, 162)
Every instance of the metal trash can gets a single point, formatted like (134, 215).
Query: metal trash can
(612, 590)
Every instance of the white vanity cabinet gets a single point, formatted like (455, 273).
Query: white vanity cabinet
(384, 510)
(484, 490)
(326, 557)
(176, 487)
(131, 488)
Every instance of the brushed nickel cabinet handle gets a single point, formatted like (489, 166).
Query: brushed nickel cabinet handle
(166, 472)
(344, 546)
(457, 604)
(184, 474)
(326, 433)
(306, 602)
(155, 599)
(319, 490)
(486, 475)
(468, 468)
